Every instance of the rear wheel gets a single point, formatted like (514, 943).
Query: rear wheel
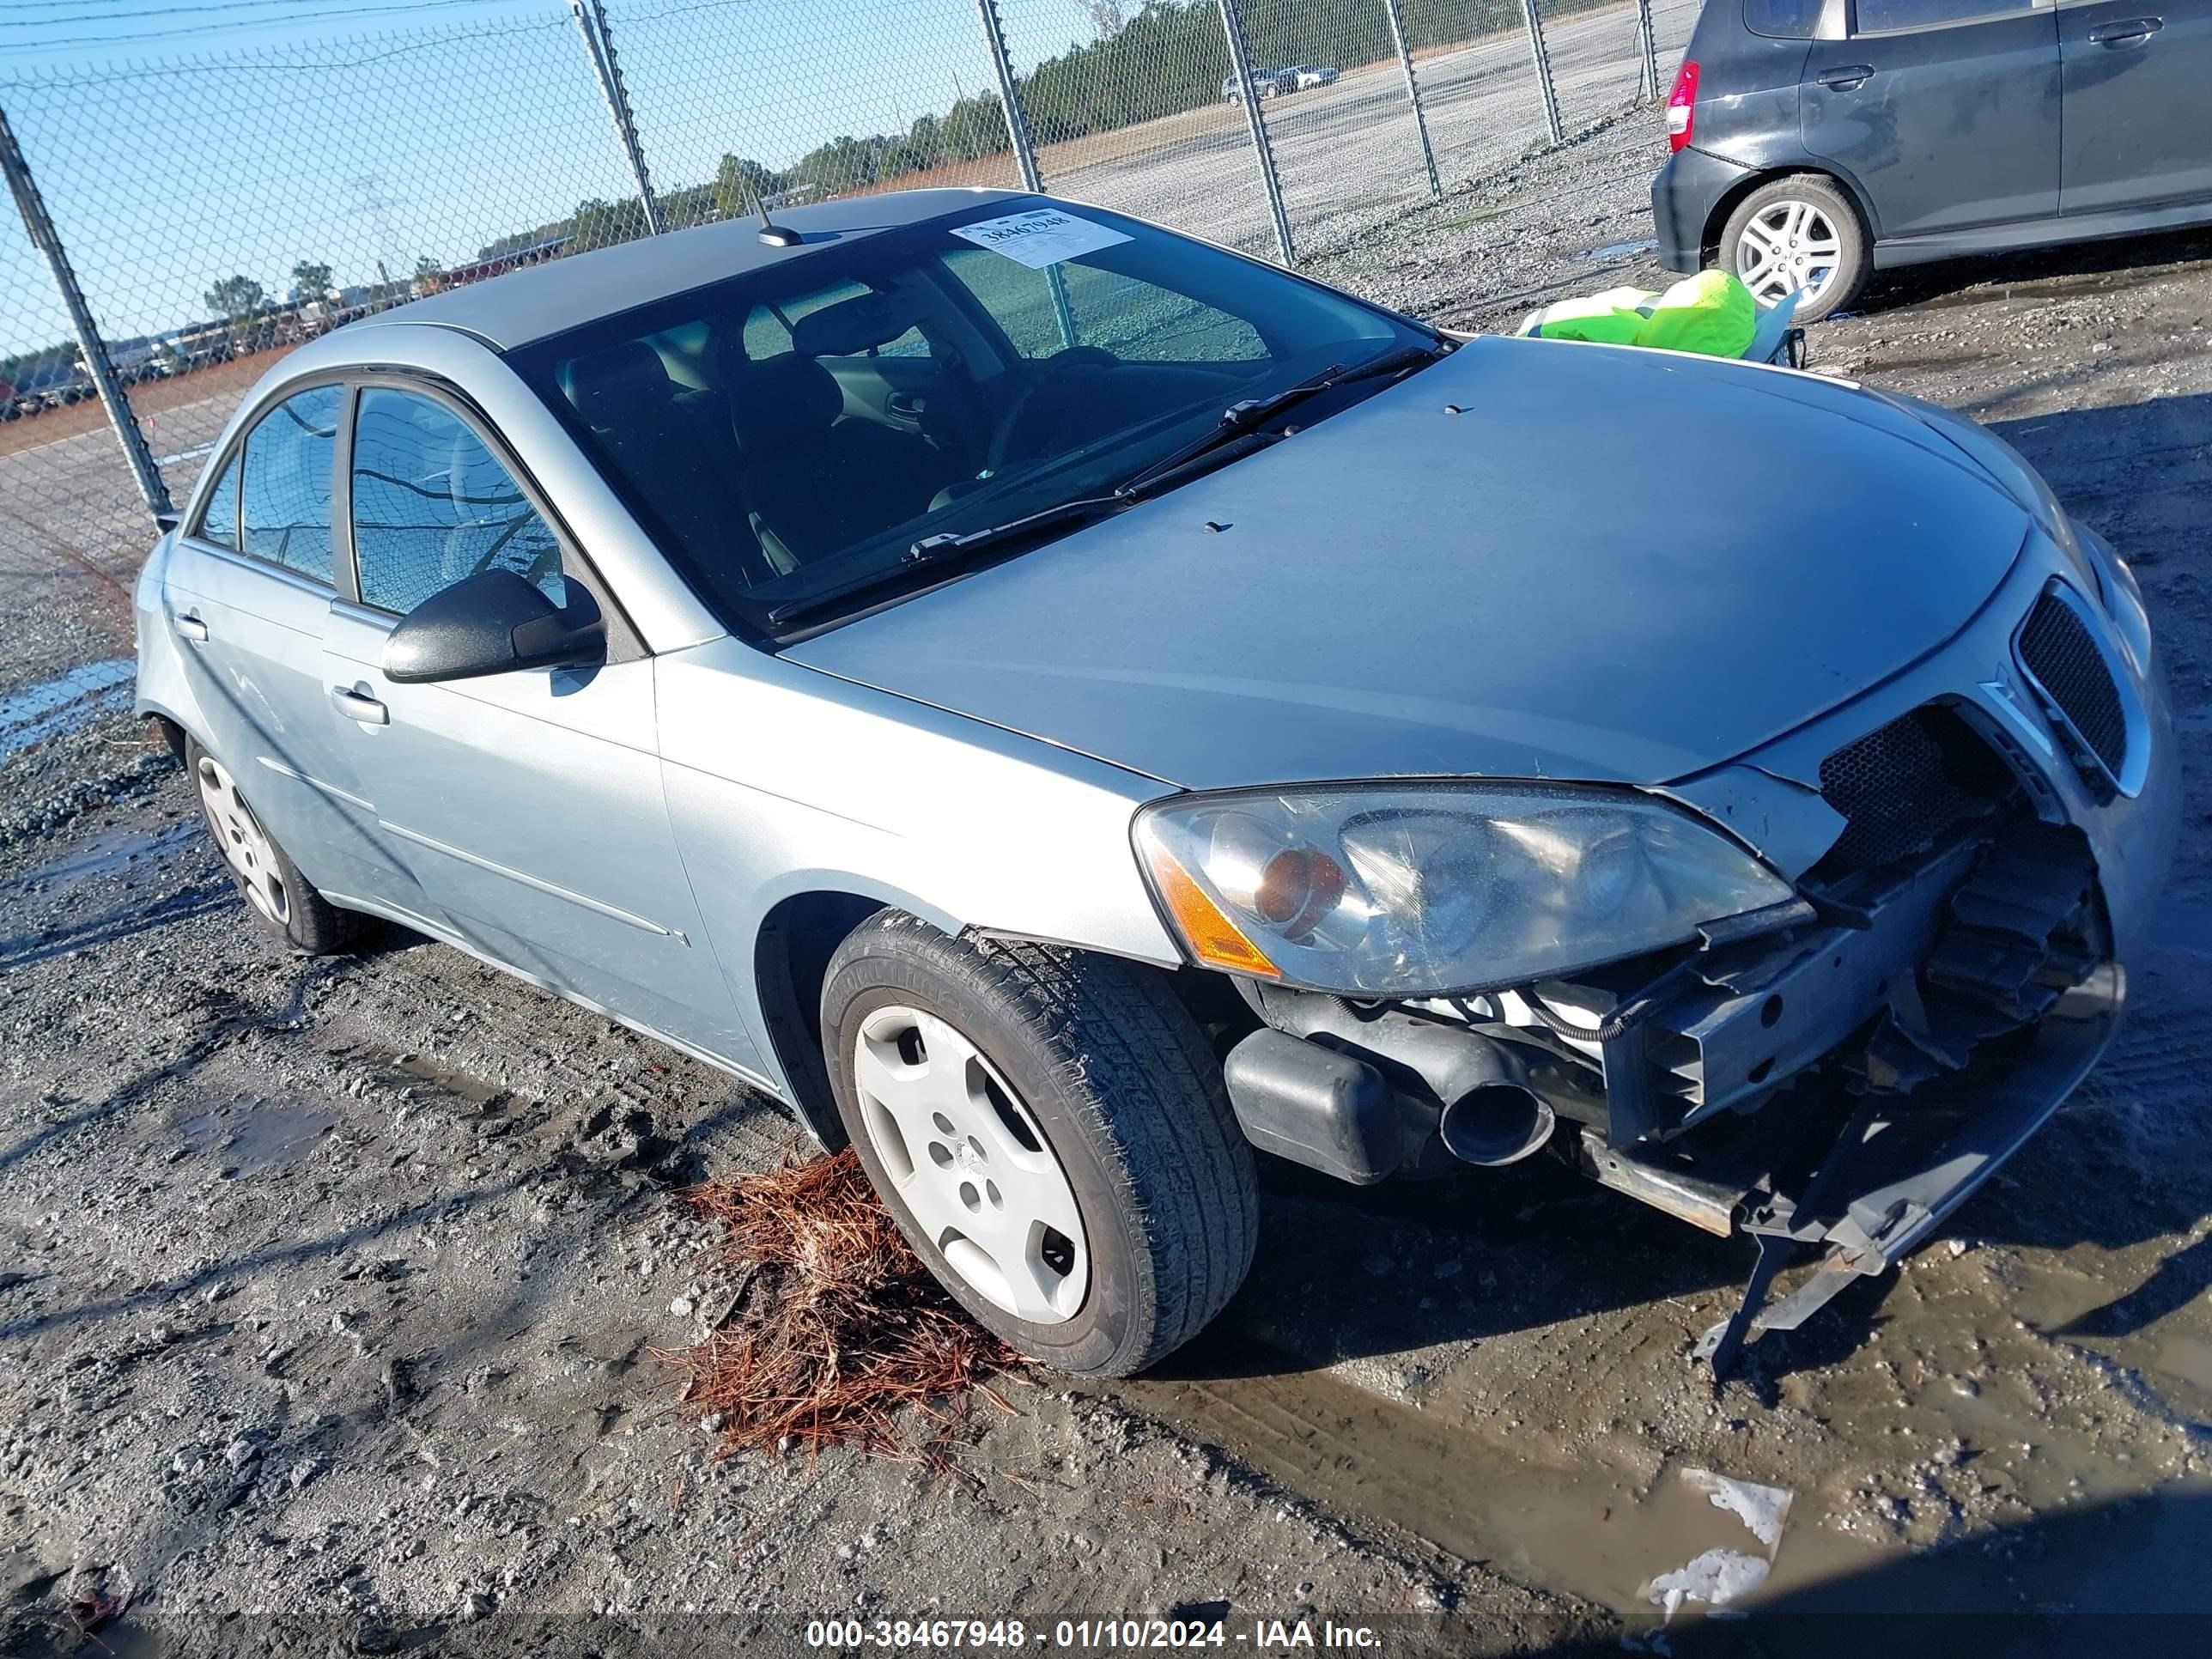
(1798, 235)
(1051, 1132)
(283, 903)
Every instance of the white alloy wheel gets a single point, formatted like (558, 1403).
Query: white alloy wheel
(245, 844)
(1788, 245)
(970, 1164)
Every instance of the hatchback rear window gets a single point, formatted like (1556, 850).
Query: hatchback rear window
(1782, 19)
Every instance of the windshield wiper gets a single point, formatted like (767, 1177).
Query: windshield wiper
(949, 550)
(1243, 419)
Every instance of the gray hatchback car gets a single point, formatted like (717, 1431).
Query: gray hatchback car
(1816, 141)
(1062, 705)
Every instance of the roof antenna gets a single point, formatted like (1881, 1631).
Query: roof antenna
(773, 235)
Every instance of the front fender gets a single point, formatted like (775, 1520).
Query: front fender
(784, 781)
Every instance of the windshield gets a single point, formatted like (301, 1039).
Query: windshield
(790, 434)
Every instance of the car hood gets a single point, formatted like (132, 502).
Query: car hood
(1534, 559)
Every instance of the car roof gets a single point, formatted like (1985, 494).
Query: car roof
(521, 305)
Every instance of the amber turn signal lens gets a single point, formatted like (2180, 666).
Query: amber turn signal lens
(1211, 935)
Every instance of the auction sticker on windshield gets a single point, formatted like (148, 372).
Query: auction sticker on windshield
(1040, 237)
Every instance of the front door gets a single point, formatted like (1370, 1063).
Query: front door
(529, 804)
(2138, 103)
(1945, 111)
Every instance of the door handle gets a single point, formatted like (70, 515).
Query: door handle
(190, 627)
(360, 706)
(2135, 31)
(1845, 77)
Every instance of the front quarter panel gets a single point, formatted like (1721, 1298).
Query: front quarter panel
(783, 780)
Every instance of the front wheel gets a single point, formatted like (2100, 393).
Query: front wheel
(1798, 235)
(1051, 1134)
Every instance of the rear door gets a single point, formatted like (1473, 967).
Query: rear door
(250, 584)
(2138, 80)
(529, 804)
(1945, 112)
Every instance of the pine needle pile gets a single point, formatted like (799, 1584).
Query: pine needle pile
(839, 1335)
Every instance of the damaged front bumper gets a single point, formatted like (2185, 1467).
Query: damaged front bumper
(1903, 1164)
(1978, 845)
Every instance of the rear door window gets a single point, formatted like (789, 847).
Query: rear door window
(285, 498)
(1890, 16)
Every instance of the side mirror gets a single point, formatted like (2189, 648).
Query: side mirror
(494, 622)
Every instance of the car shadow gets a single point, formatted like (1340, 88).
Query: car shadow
(2096, 267)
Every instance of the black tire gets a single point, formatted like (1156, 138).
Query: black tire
(1127, 1096)
(304, 920)
(1854, 259)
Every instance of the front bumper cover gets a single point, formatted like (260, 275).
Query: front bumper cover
(1903, 1165)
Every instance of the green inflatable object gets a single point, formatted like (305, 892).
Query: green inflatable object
(1710, 313)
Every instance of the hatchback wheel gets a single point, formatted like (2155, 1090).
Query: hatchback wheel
(1051, 1132)
(284, 902)
(1797, 235)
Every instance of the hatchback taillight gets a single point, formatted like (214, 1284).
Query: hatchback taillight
(1682, 107)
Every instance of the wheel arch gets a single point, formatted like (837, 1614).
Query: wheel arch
(1709, 240)
(791, 958)
(801, 931)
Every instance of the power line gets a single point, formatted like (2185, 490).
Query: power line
(216, 26)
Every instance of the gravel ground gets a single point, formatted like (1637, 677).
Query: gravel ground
(333, 1295)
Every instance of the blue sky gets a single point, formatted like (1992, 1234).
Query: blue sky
(177, 144)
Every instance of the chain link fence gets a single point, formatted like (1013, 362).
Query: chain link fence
(186, 221)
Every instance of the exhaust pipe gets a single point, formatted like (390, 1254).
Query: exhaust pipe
(1495, 1123)
(1488, 1113)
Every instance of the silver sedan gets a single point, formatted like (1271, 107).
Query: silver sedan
(1062, 706)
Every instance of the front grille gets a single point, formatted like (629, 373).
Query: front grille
(1900, 786)
(2063, 660)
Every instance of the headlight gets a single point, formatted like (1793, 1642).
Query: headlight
(1408, 889)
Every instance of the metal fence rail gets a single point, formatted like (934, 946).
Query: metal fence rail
(213, 210)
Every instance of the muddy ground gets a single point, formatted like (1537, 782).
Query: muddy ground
(333, 1295)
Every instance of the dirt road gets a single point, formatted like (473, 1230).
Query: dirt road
(329, 1292)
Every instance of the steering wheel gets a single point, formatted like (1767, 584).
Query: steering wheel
(1048, 372)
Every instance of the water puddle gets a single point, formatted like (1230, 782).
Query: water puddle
(1623, 250)
(256, 1134)
(117, 849)
(54, 707)
(1601, 1534)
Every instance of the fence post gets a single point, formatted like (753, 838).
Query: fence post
(1647, 41)
(97, 363)
(1240, 66)
(1413, 92)
(1017, 133)
(1010, 96)
(599, 47)
(1542, 59)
